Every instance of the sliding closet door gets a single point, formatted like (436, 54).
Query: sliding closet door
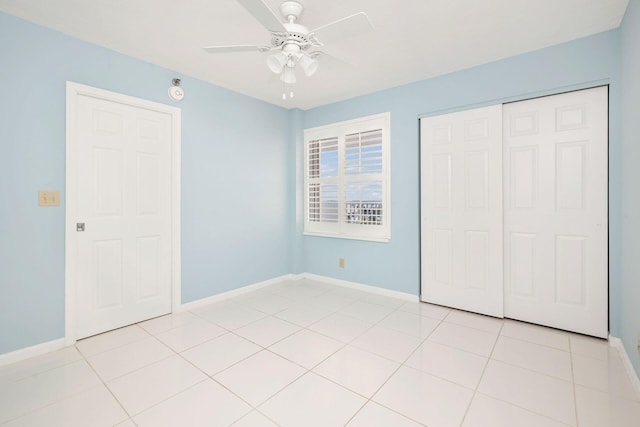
(461, 208)
(555, 198)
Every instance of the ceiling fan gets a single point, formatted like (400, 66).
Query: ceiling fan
(293, 42)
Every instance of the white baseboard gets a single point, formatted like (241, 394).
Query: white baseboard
(233, 293)
(359, 286)
(29, 352)
(330, 280)
(633, 375)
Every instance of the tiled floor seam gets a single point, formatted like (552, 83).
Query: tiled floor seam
(46, 370)
(536, 343)
(104, 384)
(573, 388)
(484, 369)
(533, 371)
(400, 365)
(175, 353)
(40, 408)
(476, 392)
(211, 377)
(112, 348)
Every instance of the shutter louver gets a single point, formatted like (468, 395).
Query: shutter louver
(363, 153)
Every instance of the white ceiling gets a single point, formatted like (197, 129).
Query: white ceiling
(413, 39)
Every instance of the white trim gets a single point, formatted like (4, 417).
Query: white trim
(360, 286)
(276, 280)
(29, 352)
(234, 293)
(176, 226)
(519, 97)
(347, 236)
(633, 375)
(73, 91)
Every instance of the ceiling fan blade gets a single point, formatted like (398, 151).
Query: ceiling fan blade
(264, 15)
(331, 57)
(343, 28)
(237, 48)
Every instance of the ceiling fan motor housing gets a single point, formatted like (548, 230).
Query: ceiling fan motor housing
(291, 10)
(296, 34)
(295, 38)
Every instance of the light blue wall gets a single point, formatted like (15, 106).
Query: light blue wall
(235, 189)
(396, 265)
(630, 71)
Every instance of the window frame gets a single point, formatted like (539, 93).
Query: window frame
(342, 229)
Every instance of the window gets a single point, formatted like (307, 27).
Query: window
(347, 179)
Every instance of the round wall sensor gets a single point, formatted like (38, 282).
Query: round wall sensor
(176, 93)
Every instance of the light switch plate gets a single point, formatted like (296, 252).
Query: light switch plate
(48, 198)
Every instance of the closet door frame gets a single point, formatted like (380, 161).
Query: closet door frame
(424, 293)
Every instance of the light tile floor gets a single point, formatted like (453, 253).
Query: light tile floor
(306, 353)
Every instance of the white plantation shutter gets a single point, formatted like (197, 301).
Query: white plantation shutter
(347, 179)
(364, 178)
(322, 180)
(363, 153)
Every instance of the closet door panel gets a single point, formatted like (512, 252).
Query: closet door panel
(461, 205)
(555, 218)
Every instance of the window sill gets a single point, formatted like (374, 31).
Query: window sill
(348, 237)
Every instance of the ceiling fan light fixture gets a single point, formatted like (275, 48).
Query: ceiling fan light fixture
(288, 75)
(277, 61)
(309, 65)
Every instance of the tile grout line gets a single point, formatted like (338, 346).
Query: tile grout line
(148, 334)
(484, 369)
(400, 365)
(22, 378)
(489, 359)
(175, 353)
(573, 384)
(107, 388)
(207, 377)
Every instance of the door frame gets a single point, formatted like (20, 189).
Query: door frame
(74, 90)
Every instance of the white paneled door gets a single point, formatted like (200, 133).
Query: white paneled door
(556, 258)
(461, 181)
(514, 209)
(123, 236)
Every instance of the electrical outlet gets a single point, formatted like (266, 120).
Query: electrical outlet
(341, 263)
